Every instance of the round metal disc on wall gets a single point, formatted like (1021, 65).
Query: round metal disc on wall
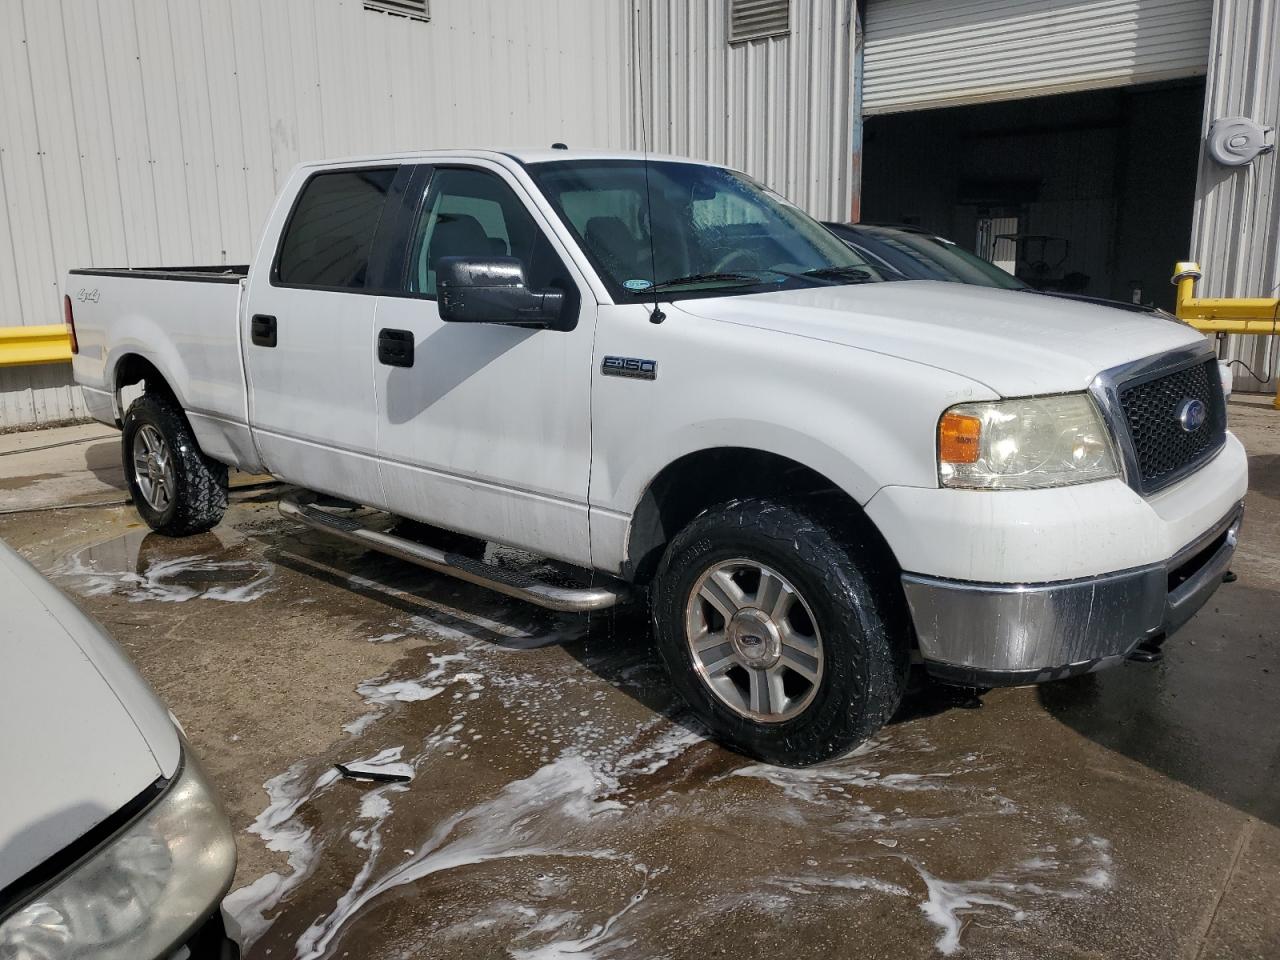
(1235, 141)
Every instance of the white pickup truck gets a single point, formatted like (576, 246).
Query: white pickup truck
(662, 373)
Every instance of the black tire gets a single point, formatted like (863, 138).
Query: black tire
(866, 658)
(199, 497)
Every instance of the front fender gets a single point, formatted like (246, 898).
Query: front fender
(863, 420)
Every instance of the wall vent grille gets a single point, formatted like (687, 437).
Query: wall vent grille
(756, 19)
(413, 9)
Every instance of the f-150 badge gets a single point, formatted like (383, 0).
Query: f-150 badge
(632, 367)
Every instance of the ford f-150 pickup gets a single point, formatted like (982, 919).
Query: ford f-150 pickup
(664, 374)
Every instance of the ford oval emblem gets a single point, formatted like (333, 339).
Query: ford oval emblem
(1192, 415)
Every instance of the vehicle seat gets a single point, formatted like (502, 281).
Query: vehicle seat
(458, 235)
(611, 241)
(455, 235)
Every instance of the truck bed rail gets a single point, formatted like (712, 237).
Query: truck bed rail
(217, 273)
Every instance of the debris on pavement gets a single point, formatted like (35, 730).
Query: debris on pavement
(385, 767)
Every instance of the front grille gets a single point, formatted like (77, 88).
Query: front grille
(1163, 449)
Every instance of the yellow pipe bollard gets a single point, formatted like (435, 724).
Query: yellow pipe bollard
(1254, 315)
(21, 346)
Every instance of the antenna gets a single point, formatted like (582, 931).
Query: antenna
(657, 316)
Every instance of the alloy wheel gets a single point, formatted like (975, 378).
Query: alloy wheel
(754, 640)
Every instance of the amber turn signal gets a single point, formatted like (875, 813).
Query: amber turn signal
(958, 438)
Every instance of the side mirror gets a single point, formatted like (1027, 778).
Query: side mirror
(493, 290)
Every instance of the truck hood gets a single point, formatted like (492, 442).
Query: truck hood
(1014, 342)
(84, 734)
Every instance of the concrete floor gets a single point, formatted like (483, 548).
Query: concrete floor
(563, 806)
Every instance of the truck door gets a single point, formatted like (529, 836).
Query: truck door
(308, 335)
(485, 429)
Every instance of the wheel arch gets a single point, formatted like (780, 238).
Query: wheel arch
(133, 368)
(704, 478)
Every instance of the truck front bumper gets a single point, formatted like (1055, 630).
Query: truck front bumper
(988, 634)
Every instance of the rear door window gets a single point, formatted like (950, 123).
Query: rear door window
(329, 236)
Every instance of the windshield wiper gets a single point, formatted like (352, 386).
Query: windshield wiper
(850, 272)
(702, 278)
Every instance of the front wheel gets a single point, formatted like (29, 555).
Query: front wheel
(775, 635)
(176, 489)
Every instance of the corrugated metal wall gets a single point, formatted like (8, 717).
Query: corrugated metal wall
(155, 132)
(931, 53)
(150, 132)
(141, 132)
(1236, 237)
(779, 108)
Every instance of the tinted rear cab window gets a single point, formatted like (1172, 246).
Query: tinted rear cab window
(330, 232)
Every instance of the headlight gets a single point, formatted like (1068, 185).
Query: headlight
(142, 893)
(1024, 444)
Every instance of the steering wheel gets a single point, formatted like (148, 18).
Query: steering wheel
(730, 258)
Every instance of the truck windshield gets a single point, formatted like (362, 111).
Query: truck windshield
(689, 230)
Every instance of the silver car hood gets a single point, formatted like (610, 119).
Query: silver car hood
(83, 732)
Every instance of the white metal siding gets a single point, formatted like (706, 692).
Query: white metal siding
(778, 108)
(932, 53)
(149, 132)
(1236, 237)
(145, 132)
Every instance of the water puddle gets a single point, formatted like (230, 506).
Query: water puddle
(144, 566)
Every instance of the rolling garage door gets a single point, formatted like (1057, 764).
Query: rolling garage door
(921, 54)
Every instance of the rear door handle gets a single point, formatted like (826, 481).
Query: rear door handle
(262, 330)
(395, 348)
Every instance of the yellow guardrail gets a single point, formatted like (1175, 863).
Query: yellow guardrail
(20, 346)
(1254, 315)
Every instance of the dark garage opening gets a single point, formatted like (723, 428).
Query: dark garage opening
(1086, 193)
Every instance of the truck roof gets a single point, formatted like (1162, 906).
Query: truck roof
(528, 155)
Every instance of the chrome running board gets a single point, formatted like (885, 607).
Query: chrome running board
(296, 506)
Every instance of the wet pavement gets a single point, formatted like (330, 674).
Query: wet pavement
(563, 805)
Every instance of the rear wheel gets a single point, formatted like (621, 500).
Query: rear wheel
(176, 489)
(776, 635)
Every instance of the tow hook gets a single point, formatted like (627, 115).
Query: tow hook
(1149, 650)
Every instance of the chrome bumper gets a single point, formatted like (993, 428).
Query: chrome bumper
(988, 633)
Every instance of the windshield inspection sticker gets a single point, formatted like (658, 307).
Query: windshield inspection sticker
(637, 284)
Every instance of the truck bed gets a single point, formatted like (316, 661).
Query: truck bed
(187, 328)
(216, 273)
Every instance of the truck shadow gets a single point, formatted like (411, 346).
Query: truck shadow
(615, 645)
(1205, 717)
(619, 649)
(1264, 475)
(102, 459)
